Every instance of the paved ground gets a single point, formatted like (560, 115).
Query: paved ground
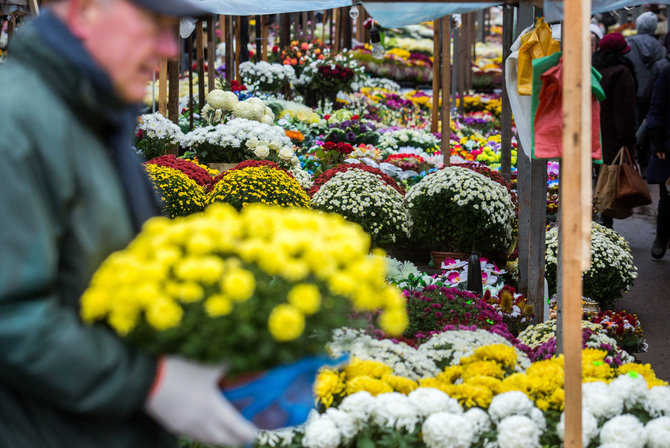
(650, 297)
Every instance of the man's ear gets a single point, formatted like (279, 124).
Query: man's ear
(81, 16)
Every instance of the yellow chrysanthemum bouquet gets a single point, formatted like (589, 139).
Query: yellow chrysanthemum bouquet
(259, 289)
(256, 288)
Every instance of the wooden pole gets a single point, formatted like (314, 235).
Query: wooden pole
(338, 30)
(211, 54)
(238, 45)
(229, 48)
(576, 149)
(264, 39)
(190, 81)
(347, 28)
(173, 91)
(506, 111)
(162, 87)
(445, 144)
(284, 30)
(200, 54)
(34, 8)
(436, 76)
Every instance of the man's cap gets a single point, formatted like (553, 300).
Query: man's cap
(175, 8)
(614, 42)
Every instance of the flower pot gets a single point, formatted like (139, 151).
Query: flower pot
(279, 397)
(221, 166)
(438, 257)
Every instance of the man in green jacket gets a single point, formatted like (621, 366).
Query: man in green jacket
(72, 192)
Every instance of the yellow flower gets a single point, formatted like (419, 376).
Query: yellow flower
(186, 292)
(516, 381)
(482, 368)
(644, 370)
(450, 374)
(436, 384)
(493, 384)
(218, 305)
(305, 297)
(123, 321)
(286, 323)
(472, 395)
(500, 353)
(358, 367)
(367, 384)
(400, 383)
(328, 383)
(238, 284)
(394, 321)
(594, 365)
(94, 304)
(164, 313)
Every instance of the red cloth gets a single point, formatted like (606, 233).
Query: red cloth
(548, 124)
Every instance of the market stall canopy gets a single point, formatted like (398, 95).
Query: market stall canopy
(553, 9)
(254, 7)
(393, 14)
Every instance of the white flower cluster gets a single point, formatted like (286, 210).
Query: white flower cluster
(157, 126)
(364, 198)
(610, 254)
(376, 83)
(399, 270)
(263, 76)
(407, 137)
(262, 141)
(221, 104)
(467, 188)
(440, 418)
(302, 176)
(415, 363)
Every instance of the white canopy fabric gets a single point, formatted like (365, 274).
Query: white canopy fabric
(392, 15)
(553, 9)
(254, 7)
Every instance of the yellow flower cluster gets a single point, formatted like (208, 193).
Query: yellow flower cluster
(181, 195)
(209, 259)
(476, 379)
(263, 184)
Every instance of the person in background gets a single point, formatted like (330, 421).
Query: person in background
(617, 123)
(646, 49)
(658, 171)
(596, 35)
(72, 192)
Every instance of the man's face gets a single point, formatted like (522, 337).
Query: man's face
(129, 42)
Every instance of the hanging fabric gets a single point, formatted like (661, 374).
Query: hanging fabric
(537, 44)
(547, 110)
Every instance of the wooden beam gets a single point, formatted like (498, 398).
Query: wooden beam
(506, 111)
(436, 77)
(34, 7)
(445, 144)
(200, 55)
(338, 30)
(162, 87)
(189, 45)
(264, 39)
(576, 147)
(238, 45)
(173, 91)
(211, 54)
(536, 248)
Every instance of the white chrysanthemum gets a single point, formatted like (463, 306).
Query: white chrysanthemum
(445, 430)
(267, 120)
(658, 432)
(537, 416)
(394, 410)
(589, 427)
(612, 445)
(479, 420)
(218, 99)
(346, 424)
(624, 429)
(658, 401)
(276, 438)
(597, 399)
(250, 110)
(359, 405)
(518, 431)
(509, 403)
(431, 401)
(321, 432)
(632, 390)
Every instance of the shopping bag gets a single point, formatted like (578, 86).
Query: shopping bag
(605, 193)
(631, 189)
(539, 43)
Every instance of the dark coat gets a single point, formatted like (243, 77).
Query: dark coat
(63, 384)
(617, 117)
(658, 122)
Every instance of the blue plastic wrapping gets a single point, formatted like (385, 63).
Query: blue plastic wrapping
(279, 397)
(392, 15)
(553, 9)
(254, 7)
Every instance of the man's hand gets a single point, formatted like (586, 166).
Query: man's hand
(186, 400)
(660, 155)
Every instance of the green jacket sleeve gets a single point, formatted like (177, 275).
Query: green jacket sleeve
(44, 348)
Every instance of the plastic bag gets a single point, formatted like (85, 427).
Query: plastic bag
(538, 44)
